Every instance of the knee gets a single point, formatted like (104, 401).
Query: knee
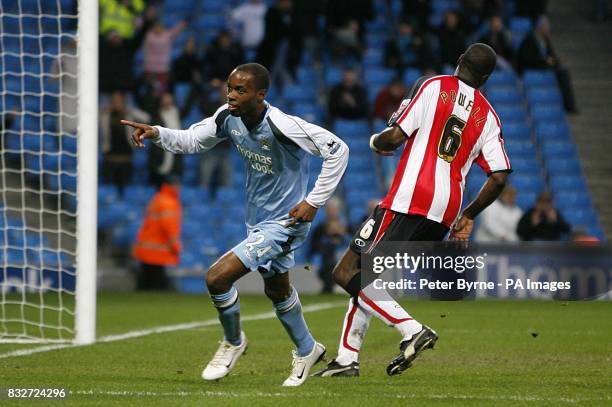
(216, 281)
(277, 294)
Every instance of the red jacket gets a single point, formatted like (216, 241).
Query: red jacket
(158, 240)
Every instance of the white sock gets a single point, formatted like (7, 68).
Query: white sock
(389, 311)
(354, 328)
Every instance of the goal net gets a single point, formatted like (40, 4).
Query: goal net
(48, 170)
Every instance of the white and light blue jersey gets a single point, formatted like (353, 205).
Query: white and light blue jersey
(276, 152)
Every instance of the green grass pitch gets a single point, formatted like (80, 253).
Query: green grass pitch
(489, 353)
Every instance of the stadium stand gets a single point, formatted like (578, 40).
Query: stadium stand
(538, 138)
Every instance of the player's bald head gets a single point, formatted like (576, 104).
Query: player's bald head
(261, 76)
(479, 60)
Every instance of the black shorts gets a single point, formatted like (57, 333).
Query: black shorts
(385, 225)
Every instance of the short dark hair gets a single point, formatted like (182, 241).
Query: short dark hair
(260, 73)
(480, 59)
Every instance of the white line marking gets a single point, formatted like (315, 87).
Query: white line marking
(508, 397)
(164, 329)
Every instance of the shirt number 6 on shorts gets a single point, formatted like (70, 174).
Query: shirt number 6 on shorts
(366, 230)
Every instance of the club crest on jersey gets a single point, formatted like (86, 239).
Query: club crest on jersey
(264, 144)
(398, 113)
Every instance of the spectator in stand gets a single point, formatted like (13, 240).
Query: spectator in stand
(340, 12)
(408, 50)
(186, 68)
(249, 19)
(328, 237)
(158, 242)
(543, 221)
(389, 98)
(216, 166)
(345, 46)
(348, 99)
(157, 52)
(307, 13)
(452, 39)
(116, 56)
(120, 16)
(163, 164)
(499, 38)
(222, 56)
(499, 221)
(281, 47)
(417, 13)
(116, 146)
(65, 70)
(536, 52)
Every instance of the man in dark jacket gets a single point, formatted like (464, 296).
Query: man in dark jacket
(543, 221)
(348, 99)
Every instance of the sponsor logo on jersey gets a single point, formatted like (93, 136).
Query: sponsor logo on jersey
(333, 146)
(360, 243)
(258, 162)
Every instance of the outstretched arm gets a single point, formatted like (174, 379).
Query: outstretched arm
(199, 137)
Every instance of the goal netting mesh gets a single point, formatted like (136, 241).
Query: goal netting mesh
(38, 169)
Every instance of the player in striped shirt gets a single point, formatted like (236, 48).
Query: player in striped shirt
(445, 125)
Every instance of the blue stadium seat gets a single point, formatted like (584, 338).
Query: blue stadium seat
(139, 195)
(107, 194)
(560, 150)
(210, 22)
(376, 40)
(299, 94)
(184, 7)
(307, 76)
(526, 166)
(310, 112)
(563, 166)
(191, 196)
(229, 195)
(511, 112)
(586, 217)
(561, 183)
(411, 75)
(532, 78)
(360, 180)
(502, 78)
(526, 199)
(181, 91)
(333, 76)
(530, 183)
(378, 76)
(547, 113)
(373, 58)
(516, 131)
(520, 25)
(69, 144)
(503, 94)
(519, 148)
(572, 200)
(351, 128)
(541, 95)
(553, 131)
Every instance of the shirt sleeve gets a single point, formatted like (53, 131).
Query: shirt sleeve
(321, 143)
(492, 157)
(410, 114)
(199, 137)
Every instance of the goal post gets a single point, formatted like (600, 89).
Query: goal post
(48, 170)
(87, 175)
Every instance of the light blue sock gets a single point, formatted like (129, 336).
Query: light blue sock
(228, 305)
(290, 314)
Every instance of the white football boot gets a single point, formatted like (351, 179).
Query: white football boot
(224, 359)
(303, 364)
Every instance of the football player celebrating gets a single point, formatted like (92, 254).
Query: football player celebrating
(275, 147)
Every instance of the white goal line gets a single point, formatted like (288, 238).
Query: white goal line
(164, 329)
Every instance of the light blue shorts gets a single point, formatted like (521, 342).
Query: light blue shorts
(269, 247)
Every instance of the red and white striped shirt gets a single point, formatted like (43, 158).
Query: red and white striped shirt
(449, 125)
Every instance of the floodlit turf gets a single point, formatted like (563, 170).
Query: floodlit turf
(489, 353)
